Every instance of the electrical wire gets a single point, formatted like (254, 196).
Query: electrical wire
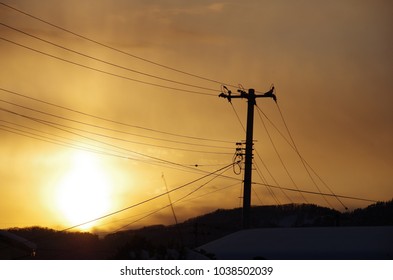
(318, 193)
(103, 71)
(58, 126)
(113, 48)
(150, 213)
(70, 143)
(203, 185)
(260, 158)
(303, 162)
(106, 62)
(64, 143)
(118, 131)
(116, 122)
(301, 157)
(238, 118)
(279, 156)
(270, 174)
(208, 193)
(102, 142)
(175, 202)
(193, 168)
(297, 151)
(256, 194)
(271, 192)
(146, 200)
(105, 151)
(169, 198)
(117, 138)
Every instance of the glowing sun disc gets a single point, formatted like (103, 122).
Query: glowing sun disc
(83, 194)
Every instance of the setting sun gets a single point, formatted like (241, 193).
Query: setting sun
(83, 193)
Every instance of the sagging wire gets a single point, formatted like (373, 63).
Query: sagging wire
(238, 158)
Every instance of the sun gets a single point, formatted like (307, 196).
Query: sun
(83, 194)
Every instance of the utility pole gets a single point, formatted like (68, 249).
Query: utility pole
(251, 98)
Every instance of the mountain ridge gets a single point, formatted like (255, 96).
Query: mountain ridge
(196, 231)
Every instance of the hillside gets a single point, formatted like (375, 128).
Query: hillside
(157, 241)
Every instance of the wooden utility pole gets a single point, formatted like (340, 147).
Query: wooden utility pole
(251, 98)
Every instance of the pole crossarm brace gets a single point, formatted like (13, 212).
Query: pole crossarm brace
(251, 98)
(243, 94)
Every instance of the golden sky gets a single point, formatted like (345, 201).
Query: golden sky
(88, 130)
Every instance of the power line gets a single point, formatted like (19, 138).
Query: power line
(61, 143)
(151, 213)
(180, 200)
(103, 71)
(107, 136)
(304, 163)
(256, 194)
(318, 193)
(297, 150)
(279, 156)
(260, 158)
(264, 184)
(264, 164)
(69, 143)
(251, 98)
(218, 174)
(169, 198)
(300, 156)
(153, 160)
(113, 48)
(105, 151)
(99, 141)
(237, 116)
(147, 200)
(273, 195)
(208, 193)
(106, 62)
(120, 123)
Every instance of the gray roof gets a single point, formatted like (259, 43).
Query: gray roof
(305, 243)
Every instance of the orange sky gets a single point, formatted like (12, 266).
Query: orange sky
(330, 62)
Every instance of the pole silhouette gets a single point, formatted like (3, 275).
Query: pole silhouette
(251, 99)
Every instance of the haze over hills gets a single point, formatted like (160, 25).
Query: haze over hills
(162, 242)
